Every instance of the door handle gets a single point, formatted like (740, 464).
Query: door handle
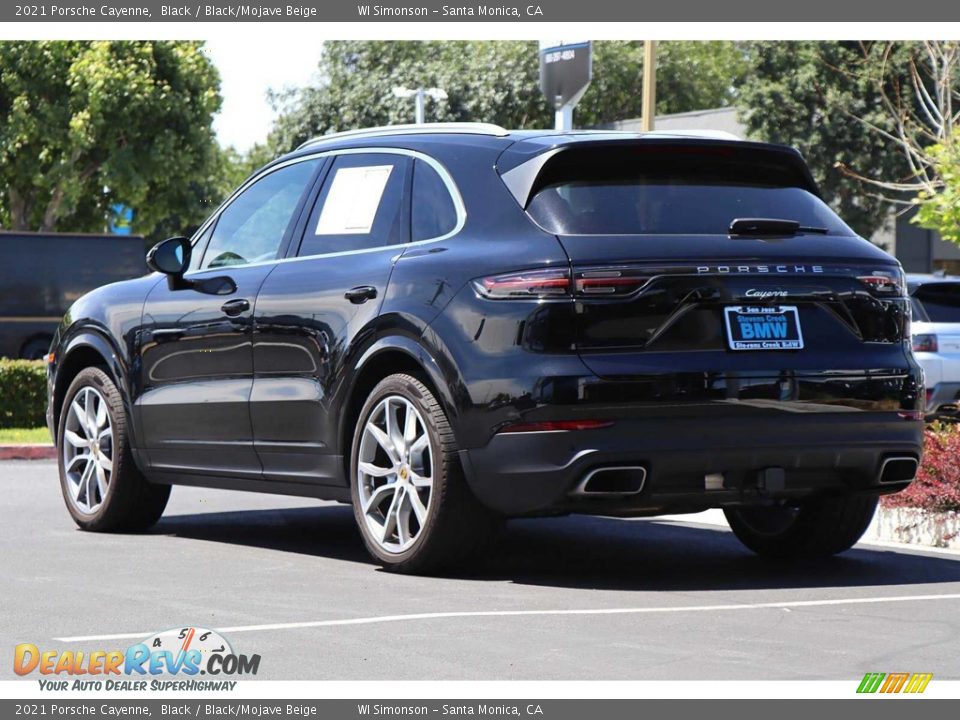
(361, 294)
(232, 308)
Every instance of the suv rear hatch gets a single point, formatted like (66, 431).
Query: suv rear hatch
(666, 282)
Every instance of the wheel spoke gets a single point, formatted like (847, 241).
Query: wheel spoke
(419, 509)
(104, 462)
(390, 517)
(420, 481)
(393, 429)
(85, 482)
(376, 497)
(75, 440)
(79, 457)
(90, 407)
(403, 521)
(410, 427)
(384, 441)
(101, 418)
(375, 470)
(420, 444)
(101, 481)
(81, 414)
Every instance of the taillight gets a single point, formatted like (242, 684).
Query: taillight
(924, 342)
(555, 426)
(530, 285)
(888, 283)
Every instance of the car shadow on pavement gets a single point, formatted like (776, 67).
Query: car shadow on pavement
(582, 552)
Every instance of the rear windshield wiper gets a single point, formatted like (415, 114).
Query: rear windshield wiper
(772, 226)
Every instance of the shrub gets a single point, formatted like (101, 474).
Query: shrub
(23, 393)
(937, 486)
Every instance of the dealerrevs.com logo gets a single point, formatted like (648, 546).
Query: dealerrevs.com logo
(170, 660)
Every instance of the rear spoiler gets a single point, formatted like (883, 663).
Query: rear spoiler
(522, 163)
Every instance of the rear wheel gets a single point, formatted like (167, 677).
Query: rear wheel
(102, 487)
(413, 507)
(815, 529)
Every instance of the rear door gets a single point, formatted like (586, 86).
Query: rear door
(663, 288)
(314, 308)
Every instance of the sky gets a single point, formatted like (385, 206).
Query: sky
(247, 73)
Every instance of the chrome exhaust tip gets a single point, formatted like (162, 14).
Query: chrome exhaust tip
(612, 481)
(898, 469)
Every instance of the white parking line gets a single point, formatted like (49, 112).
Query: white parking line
(528, 613)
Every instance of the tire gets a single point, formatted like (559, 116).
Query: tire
(35, 348)
(119, 498)
(813, 530)
(455, 525)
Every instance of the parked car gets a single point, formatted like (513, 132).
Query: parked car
(42, 274)
(936, 340)
(448, 325)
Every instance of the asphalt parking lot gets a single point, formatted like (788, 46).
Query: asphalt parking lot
(566, 598)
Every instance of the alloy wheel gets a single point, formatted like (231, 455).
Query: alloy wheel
(88, 447)
(395, 473)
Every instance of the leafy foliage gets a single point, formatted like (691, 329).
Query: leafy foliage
(940, 210)
(937, 486)
(815, 96)
(131, 117)
(23, 393)
(494, 82)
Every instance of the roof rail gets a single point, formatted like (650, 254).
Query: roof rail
(465, 128)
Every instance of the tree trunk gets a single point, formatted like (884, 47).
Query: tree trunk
(19, 210)
(52, 212)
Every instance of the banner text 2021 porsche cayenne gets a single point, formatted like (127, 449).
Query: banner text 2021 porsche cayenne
(448, 325)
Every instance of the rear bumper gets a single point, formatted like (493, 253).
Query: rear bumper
(818, 453)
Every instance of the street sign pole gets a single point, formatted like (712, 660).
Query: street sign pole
(563, 118)
(566, 69)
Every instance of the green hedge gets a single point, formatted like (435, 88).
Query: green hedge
(23, 393)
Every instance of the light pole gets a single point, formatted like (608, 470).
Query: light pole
(649, 101)
(420, 94)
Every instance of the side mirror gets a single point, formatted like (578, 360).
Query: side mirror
(170, 256)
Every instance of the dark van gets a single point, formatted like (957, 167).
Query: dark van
(42, 274)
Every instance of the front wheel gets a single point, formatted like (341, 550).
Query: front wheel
(102, 487)
(815, 529)
(413, 507)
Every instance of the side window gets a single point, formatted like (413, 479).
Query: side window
(433, 213)
(200, 246)
(252, 227)
(360, 206)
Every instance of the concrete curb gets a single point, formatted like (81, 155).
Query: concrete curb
(27, 452)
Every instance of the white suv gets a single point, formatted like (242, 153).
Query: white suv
(936, 339)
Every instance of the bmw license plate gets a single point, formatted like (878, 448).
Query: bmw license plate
(763, 328)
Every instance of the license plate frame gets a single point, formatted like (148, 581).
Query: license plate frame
(754, 327)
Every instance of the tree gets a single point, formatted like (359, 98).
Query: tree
(826, 99)
(494, 82)
(87, 125)
(923, 117)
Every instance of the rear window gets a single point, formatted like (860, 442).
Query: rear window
(671, 191)
(940, 301)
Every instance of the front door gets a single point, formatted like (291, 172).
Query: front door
(195, 355)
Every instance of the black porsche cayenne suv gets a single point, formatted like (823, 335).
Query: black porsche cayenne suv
(448, 325)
